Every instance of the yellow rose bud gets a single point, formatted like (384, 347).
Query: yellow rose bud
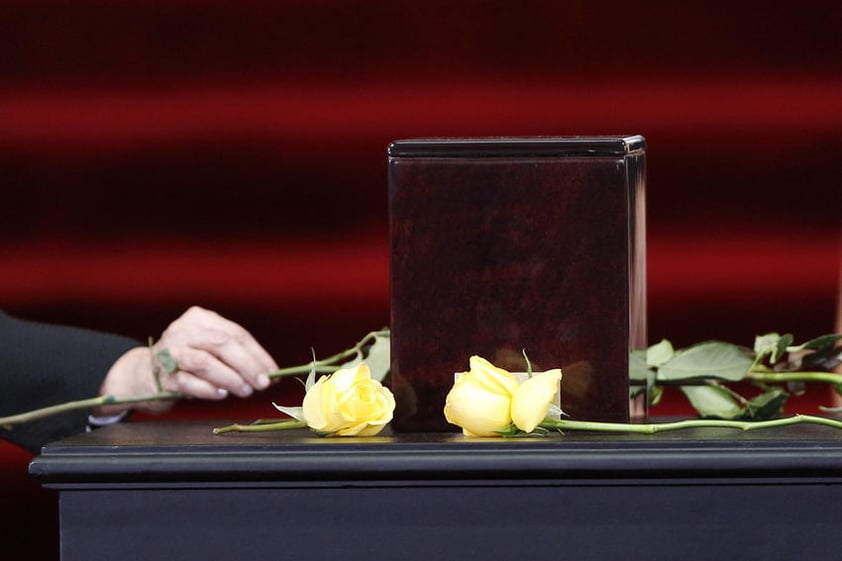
(348, 403)
(480, 399)
(532, 399)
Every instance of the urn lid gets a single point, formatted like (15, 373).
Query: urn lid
(556, 146)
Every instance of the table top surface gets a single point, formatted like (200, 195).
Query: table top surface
(189, 450)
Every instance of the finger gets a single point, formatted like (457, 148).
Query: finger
(230, 343)
(209, 331)
(225, 348)
(188, 384)
(242, 360)
(206, 366)
(241, 336)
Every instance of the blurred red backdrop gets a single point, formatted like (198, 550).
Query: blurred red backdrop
(232, 154)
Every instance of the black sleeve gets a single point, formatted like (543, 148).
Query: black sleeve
(43, 364)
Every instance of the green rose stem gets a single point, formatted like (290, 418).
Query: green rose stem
(773, 377)
(651, 428)
(767, 376)
(596, 426)
(35, 414)
(325, 365)
(262, 426)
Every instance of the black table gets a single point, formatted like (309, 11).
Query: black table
(175, 491)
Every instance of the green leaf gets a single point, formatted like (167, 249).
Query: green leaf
(781, 349)
(509, 430)
(655, 395)
(638, 369)
(772, 345)
(659, 353)
(767, 405)
(296, 413)
(825, 359)
(712, 400)
(556, 412)
(766, 344)
(823, 342)
(712, 359)
(379, 359)
(311, 377)
(641, 376)
(538, 431)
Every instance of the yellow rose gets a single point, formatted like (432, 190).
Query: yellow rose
(348, 403)
(531, 401)
(487, 399)
(480, 399)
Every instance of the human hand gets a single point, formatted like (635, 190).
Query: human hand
(214, 357)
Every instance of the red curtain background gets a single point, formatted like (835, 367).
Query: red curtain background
(232, 154)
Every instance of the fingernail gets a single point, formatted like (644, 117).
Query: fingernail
(222, 392)
(246, 390)
(263, 381)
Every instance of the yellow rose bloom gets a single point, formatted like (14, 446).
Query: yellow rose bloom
(480, 399)
(348, 403)
(486, 400)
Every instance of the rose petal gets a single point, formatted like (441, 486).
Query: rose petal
(471, 405)
(496, 379)
(531, 402)
(312, 406)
